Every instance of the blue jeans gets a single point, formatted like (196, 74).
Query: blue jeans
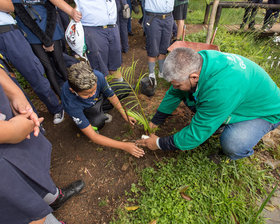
(238, 139)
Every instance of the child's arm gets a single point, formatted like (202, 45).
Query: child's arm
(102, 140)
(64, 6)
(26, 121)
(114, 100)
(6, 6)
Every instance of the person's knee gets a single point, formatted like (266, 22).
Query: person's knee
(235, 146)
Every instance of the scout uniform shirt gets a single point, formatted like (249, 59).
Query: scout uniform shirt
(74, 105)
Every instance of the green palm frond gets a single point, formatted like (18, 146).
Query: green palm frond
(132, 104)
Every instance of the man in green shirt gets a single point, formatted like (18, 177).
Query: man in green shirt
(225, 89)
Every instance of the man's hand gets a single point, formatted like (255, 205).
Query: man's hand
(76, 15)
(150, 143)
(134, 150)
(49, 49)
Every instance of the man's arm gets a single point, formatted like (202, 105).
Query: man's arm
(170, 102)
(108, 142)
(64, 6)
(6, 6)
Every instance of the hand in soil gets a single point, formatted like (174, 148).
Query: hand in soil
(150, 143)
(134, 150)
(131, 120)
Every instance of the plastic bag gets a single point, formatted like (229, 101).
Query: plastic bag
(126, 11)
(75, 38)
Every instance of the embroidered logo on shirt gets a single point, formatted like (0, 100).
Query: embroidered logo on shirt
(77, 120)
(236, 59)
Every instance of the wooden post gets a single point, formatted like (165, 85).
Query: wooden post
(212, 20)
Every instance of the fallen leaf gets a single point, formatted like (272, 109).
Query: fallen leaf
(186, 197)
(153, 222)
(182, 193)
(132, 208)
(183, 189)
(125, 166)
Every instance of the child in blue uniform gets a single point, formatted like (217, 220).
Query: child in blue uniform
(82, 97)
(27, 190)
(38, 20)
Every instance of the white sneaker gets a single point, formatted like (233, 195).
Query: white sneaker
(160, 75)
(153, 79)
(58, 117)
(109, 118)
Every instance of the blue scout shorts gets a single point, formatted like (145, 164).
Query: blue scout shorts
(158, 34)
(104, 48)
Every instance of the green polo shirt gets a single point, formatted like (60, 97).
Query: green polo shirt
(230, 89)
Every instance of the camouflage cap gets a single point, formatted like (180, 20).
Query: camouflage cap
(81, 76)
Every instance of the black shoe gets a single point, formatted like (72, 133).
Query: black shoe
(66, 193)
(130, 34)
(146, 87)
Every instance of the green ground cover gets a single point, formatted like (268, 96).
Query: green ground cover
(224, 193)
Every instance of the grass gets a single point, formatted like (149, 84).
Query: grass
(196, 11)
(220, 193)
(224, 193)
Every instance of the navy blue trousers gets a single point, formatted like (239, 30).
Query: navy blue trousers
(122, 24)
(17, 50)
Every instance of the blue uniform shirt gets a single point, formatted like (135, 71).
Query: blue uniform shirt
(74, 105)
(98, 12)
(41, 10)
(159, 6)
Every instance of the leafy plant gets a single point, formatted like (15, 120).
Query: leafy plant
(132, 104)
(264, 204)
(224, 193)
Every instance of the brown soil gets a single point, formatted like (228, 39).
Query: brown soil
(108, 173)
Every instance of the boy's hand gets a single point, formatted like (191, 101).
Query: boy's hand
(131, 120)
(134, 150)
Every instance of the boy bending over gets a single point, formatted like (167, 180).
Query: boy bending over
(84, 98)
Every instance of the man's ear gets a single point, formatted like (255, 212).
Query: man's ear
(194, 76)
